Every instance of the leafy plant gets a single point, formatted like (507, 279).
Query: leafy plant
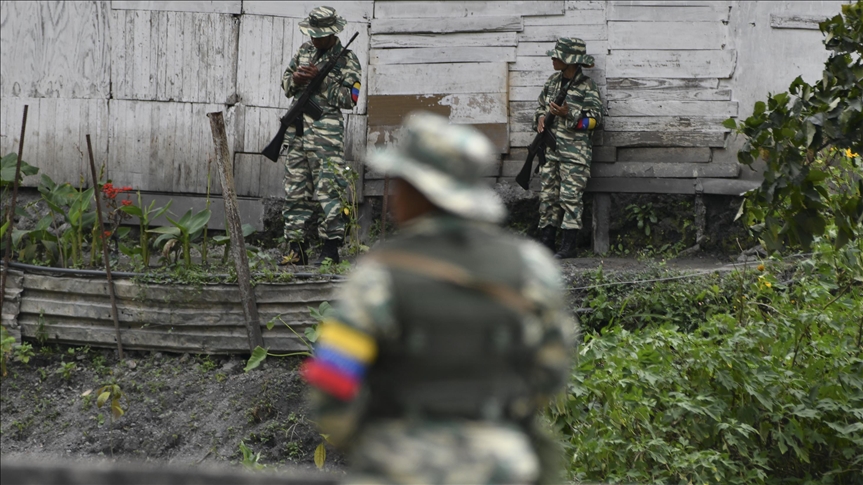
(643, 215)
(328, 267)
(7, 170)
(184, 231)
(809, 139)
(111, 394)
(251, 460)
(66, 369)
(145, 215)
(7, 343)
(310, 336)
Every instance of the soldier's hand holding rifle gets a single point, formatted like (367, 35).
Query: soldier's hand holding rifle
(554, 109)
(305, 74)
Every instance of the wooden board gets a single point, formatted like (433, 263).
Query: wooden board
(705, 12)
(390, 9)
(580, 5)
(459, 108)
(356, 140)
(654, 95)
(664, 155)
(256, 176)
(664, 123)
(664, 170)
(525, 136)
(166, 146)
(266, 46)
(541, 48)
(439, 55)
(671, 3)
(375, 188)
(352, 11)
(660, 84)
(663, 139)
(171, 56)
(542, 33)
(446, 25)
(531, 93)
(667, 35)
(487, 39)
(544, 63)
(497, 133)
(438, 78)
(55, 50)
(641, 185)
(638, 107)
(792, 21)
(226, 7)
(55, 139)
(570, 17)
(672, 64)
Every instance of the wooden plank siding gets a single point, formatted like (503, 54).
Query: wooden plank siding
(218, 6)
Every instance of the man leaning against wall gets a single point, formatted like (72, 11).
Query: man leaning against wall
(564, 175)
(315, 148)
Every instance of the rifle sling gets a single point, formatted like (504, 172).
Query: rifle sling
(456, 275)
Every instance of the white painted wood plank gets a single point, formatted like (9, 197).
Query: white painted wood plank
(670, 3)
(220, 6)
(490, 39)
(262, 59)
(664, 155)
(55, 138)
(163, 146)
(352, 11)
(670, 94)
(541, 48)
(664, 123)
(645, 84)
(578, 5)
(389, 9)
(356, 140)
(437, 55)
(544, 63)
(667, 35)
(447, 25)
(438, 78)
(178, 56)
(796, 21)
(664, 170)
(706, 12)
(531, 93)
(55, 49)
(638, 107)
(541, 33)
(571, 17)
(671, 64)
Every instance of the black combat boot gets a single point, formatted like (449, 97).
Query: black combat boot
(330, 250)
(300, 255)
(548, 237)
(567, 246)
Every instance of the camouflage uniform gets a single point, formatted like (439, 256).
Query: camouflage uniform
(565, 174)
(447, 339)
(314, 159)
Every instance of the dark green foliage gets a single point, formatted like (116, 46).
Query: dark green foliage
(810, 139)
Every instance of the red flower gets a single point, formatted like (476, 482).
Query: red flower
(126, 189)
(126, 202)
(106, 234)
(109, 190)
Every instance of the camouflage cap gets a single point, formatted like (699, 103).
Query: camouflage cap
(322, 22)
(571, 50)
(445, 162)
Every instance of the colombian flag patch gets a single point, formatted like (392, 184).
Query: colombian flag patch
(355, 92)
(342, 355)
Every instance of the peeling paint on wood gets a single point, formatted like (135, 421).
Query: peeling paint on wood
(436, 55)
(385, 9)
(541, 33)
(459, 108)
(55, 50)
(486, 39)
(664, 123)
(663, 139)
(802, 22)
(638, 107)
(438, 78)
(447, 25)
(671, 64)
(667, 35)
(706, 12)
(352, 11)
(664, 155)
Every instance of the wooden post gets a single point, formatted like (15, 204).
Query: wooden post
(7, 255)
(105, 248)
(232, 216)
(385, 209)
(601, 209)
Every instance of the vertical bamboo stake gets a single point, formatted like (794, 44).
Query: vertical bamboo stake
(232, 216)
(104, 248)
(7, 255)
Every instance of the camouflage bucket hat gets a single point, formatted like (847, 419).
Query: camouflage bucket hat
(322, 22)
(445, 162)
(571, 50)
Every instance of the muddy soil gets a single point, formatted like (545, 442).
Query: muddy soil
(179, 408)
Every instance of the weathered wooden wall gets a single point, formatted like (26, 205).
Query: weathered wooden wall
(139, 76)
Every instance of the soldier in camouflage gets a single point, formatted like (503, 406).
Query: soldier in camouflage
(448, 339)
(565, 174)
(315, 149)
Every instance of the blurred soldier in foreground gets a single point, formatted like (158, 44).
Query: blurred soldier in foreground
(315, 148)
(565, 174)
(448, 339)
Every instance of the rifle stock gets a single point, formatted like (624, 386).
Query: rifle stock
(303, 105)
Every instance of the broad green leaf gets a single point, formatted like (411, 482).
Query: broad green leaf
(258, 356)
(100, 401)
(320, 456)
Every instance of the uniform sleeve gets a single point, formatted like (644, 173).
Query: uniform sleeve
(288, 77)
(593, 103)
(344, 91)
(552, 328)
(542, 109)
(346, 348)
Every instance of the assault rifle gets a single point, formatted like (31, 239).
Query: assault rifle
(542, 141)
(303, 105)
